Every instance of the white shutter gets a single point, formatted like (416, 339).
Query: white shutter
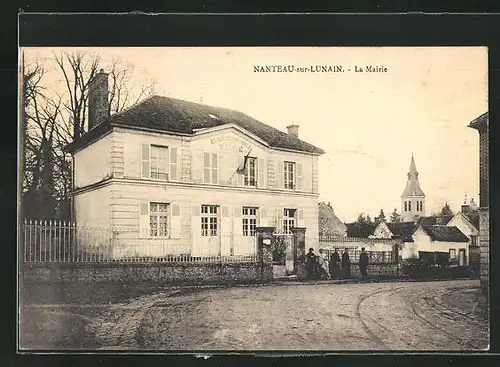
(278, 219)
(196, 230)
(223, 169)
(298, 179)
(300, 218)
(272, 180)
(145, 160)
(144, 231)
(206, 167)
(240, 179)
(280, 174)
(215, 173)
(262, 217)
(175, 221)
(226, 231)
(174, 164)
(261, 166)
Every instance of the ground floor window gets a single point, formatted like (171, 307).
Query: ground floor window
(249, 220)
(453, 254)
(158, 219)
(209, 220)
(289, 219)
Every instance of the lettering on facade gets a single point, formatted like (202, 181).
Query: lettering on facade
(232, 143)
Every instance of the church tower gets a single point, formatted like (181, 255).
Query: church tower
(413, 198)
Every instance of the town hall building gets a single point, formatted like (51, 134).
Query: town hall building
(192, 178)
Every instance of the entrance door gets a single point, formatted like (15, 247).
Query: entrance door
(210, 230)
(461, 257)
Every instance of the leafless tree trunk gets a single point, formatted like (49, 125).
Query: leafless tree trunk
(55, 117)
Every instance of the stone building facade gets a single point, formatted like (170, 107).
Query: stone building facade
(198, 179)
(481, 124)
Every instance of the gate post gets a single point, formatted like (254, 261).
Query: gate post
(299, 245)
(265, 254)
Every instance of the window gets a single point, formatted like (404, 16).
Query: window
(209, 220)
(159, 162)
(406, 206)
(452, 254)
(409, 206)
(158, 219)
(289, 175)
(473, 239)
(251, 173)
(249, 221)
(288, 219)
(210, 168)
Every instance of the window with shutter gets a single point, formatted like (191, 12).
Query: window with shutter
(158, 164)
(289, 175)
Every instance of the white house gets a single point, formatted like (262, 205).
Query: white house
(438, 239)
(198, 179)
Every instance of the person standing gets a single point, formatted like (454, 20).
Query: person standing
(363, 263)
(311, 264)
(323, 262)
(335, 264)
(346, 264)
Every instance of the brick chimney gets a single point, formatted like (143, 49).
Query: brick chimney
(293, 130)
(98, 98)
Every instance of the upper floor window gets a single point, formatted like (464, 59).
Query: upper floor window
(158, 162)
(409, 206)
(251, 172)
(406, 206)
(158, 219)
(289, 179)
(288, 219)
(473, 239)
(249, 220)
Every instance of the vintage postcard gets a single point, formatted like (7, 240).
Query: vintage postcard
(253, 199)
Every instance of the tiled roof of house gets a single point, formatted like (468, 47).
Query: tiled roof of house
(179, 116)
(360, 230)
(445, 233)
(402, 230)
(433, 220)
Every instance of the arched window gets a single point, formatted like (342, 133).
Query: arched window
(409, 206)
(406, 206)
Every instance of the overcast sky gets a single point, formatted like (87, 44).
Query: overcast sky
(369, 124)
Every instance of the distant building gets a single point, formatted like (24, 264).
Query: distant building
(329, 224)
(413, 198)
(481, 125)
(438, 239)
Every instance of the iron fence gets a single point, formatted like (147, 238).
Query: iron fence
(374, 257)
(64, 242)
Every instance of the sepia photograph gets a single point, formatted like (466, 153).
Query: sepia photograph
(253, 199)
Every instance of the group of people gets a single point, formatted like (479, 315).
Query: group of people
(335, 267)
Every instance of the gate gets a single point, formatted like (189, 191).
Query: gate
(284, 254)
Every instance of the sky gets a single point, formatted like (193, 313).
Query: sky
(369, 124)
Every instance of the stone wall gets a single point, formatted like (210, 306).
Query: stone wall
(484, 244)
(170, 273)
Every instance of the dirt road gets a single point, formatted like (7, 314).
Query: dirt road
(386, 316)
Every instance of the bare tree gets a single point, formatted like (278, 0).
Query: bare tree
(56, 115)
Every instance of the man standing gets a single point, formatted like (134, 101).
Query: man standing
(335, 264)
(363, 263)
(346, 264)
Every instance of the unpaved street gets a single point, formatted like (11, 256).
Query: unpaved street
(384, 316)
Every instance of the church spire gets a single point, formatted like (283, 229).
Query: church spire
(413, 185)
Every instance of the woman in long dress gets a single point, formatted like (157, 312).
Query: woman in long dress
(323, 262)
